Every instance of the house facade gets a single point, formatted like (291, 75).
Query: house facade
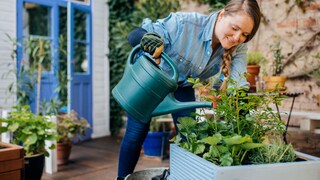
(87, 65)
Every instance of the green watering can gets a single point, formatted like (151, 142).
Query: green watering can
(145, 91)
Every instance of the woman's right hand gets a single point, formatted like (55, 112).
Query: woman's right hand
(152, 43)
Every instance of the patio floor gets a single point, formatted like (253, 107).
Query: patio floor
(97, 159)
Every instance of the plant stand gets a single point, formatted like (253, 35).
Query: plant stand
(186, 165)
(11, 161)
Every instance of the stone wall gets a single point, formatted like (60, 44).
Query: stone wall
(298, 30)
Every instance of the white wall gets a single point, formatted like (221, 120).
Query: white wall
(7, 26)
(101, 106)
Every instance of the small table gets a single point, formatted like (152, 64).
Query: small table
(293, 95)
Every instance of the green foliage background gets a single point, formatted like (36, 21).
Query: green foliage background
(125, 15)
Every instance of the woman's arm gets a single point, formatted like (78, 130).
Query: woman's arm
(135, 36)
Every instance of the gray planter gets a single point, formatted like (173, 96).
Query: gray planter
(186, 165)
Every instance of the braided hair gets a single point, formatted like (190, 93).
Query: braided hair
(226, 66)
(251, 8)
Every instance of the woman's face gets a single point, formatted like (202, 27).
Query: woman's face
(233, 30)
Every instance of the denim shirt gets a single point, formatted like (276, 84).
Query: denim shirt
(187, 41)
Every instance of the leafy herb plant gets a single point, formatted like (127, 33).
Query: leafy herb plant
(30, 130)
(239, 125)
(274, 152)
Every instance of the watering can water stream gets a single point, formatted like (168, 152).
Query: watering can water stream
(145, 91)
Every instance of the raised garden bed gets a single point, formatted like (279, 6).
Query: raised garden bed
(186, 165)
(11, 161)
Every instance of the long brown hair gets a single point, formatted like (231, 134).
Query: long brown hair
(251, 8)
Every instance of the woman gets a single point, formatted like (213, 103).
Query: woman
(200, 46)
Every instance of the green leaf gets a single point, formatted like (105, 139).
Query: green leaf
(31, 139)
(248, 146)
(199, 148)
(223, 149)
(237, 139)
(53, 146)
(212, 140)
(214, 151)
(226, 160)
(177, 139)
(13, 127)
(187, 123)
(46, 154)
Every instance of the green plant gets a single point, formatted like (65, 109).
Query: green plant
(51, 107)
(70, 126)
(255, 58)
(39, 54)
(37, 58)
(277, 57)
(21, 87)
(274, 152)
(240, 124)
(29, 130)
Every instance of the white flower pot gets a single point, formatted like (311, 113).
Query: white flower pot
(186, 165)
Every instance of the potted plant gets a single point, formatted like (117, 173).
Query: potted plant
(243, 133)
(157, 139)
(70, 127)
(276, 81)
(31, 131)
(254, 58)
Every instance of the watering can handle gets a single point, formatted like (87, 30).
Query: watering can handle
(164, 56)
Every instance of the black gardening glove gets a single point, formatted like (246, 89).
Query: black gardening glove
(152, 43)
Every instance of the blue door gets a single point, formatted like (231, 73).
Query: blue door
(53, 21)
(80, 61)
(30, 36)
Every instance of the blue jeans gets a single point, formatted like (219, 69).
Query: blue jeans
(136, 132)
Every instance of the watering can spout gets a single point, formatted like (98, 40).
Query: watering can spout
(172, 105)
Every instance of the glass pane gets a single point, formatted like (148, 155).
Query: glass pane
(63, 39)
(80, 57)
(37, 51)
(36, 19)
(80, 21)
(63, 58)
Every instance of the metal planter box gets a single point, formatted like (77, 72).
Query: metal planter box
(186, 165)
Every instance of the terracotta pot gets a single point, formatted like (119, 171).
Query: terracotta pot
(63, 152)
(253, 70)
(272, 81)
